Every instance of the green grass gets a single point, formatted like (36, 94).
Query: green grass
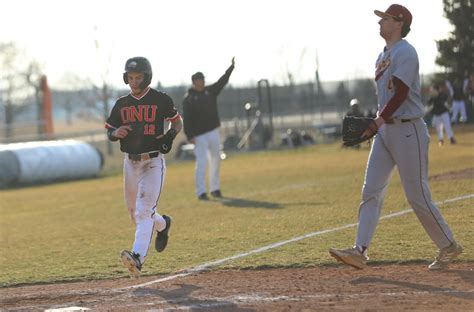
(75, 230)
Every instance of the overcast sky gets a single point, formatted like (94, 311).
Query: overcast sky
(180, 37)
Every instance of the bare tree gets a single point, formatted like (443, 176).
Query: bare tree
(103, 91)
(342, 97)
(76, 98)
(15, 72)
(32, 77)
(94, 92)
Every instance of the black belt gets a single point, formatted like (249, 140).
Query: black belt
(144, 156)
(391, 121)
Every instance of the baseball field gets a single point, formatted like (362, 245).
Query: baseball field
(263, 247)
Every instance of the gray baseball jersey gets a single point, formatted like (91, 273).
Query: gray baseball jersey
(400, 61)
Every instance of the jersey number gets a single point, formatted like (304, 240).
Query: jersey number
(149, 129)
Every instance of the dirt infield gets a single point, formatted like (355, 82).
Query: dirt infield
(393, 287)
(454, 175)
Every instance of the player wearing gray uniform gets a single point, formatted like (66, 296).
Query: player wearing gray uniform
(402, 140)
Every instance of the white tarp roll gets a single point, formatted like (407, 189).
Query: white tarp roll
(44, 161)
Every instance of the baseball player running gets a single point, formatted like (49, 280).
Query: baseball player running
(440, 112)
(402, 140)
(138, 120)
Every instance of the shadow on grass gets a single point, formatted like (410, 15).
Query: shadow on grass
(305, 204)
(183, 297)
(247, 203)
(57, 181)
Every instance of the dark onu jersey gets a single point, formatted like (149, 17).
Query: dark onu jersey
(146, 116)
(438, 103)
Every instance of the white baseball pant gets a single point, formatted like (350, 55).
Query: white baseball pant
(441, 122)
(143, 182)
(459, 108)
(207, 151)
(404, 145)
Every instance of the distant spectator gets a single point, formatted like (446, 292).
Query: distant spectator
(458, 105)
(469, 96)
(354, 109)
(355, 112)
(437, 104)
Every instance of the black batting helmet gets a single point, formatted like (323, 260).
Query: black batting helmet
(138, 64)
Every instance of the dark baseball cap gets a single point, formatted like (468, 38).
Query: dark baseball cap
(397, 12)
(197, 76)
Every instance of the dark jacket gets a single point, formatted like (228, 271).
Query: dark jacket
(438, 104)
(200, 113)
(458, 92)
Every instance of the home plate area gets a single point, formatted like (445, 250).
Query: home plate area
(322, 288)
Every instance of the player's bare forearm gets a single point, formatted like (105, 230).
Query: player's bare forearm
(369, 132)
(177, 125)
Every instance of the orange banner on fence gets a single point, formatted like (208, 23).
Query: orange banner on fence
(47, 108)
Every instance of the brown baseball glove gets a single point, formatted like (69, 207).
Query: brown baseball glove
(354, 127)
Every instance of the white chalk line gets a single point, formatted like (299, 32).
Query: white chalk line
(207, 265)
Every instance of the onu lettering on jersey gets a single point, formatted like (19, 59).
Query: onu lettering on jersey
(132, 113)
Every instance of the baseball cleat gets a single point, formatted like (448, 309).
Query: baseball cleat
(216, 194)
(132, 262)
(162, 237)
(203, 196)
(445, 257)
(351, 256)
